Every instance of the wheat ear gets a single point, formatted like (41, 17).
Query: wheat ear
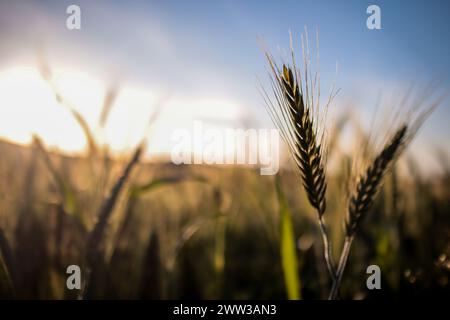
(369, 183)
(308, 156)
(362, 199)
(295, 120)
(307, 151)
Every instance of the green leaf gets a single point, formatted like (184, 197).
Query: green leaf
(136, 191)
(287, 248)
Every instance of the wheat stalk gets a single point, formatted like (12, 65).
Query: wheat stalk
(414, 111)
(307, 153)
(95, 239)
(369, 183)
(363, 197)
(108, 205)
(296, 114)
(295, 111)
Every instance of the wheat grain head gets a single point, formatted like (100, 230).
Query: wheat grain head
(406, 120)
(295, 109)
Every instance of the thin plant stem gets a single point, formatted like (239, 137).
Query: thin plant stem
(341, 267)
(327, 252)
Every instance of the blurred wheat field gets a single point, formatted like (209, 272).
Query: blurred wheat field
(205, 232)
(94, 95)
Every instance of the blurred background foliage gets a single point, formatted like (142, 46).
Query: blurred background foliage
(205, 232)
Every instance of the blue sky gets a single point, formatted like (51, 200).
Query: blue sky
(210, 48)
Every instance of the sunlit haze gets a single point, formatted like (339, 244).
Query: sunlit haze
(201, 62)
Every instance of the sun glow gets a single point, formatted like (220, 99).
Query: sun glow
(28, 106)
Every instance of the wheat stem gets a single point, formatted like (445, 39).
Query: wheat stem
(94, 241)
(341, 267)
(293, 112)
(327, 252)
(362, 199)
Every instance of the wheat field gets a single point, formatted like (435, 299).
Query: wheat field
(207, 231)
(93, 94)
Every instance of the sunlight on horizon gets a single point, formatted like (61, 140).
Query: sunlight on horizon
(37, 112)
(28, 106)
